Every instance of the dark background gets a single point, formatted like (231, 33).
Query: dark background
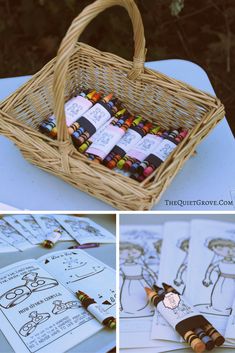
(202, 31)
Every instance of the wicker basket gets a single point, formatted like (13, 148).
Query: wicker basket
(158, 98)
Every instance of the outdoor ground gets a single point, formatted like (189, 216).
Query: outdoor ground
(201, 31)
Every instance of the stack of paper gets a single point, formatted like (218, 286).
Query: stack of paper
(197, 258)
(20, 232)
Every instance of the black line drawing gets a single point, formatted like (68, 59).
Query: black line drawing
(33, 283)
(108, 299)
(135, 275)
(80, 225)
(83, 268)
(73, 264)
(36, 319)
(90, 229)
(180, 279)
(94, 271)
(220, 274)
(37, 283)
(50, 223)
(60, 307)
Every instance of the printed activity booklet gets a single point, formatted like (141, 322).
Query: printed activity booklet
(39, 311)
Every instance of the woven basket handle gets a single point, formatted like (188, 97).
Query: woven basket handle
(68, 44)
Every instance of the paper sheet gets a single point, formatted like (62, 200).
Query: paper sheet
(84, 230)
(175, 246)
(29, 223)
(5, 247)
(140, 249)
(77, 270)
(13, 237)
(30, 316)
(211, 270)
(168, 347)
(48, 224)
(21, 229)
(230, 328)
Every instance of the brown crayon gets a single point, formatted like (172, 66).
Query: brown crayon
(214, 334)
(197, 345)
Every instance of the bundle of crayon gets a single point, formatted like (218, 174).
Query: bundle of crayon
(74, 109)
(102, 128)
(191, 325)
(141, 150)
(94, 137)
(108, 139)
(94, 118)
(93, 97)
(135, 133)
(158, 155)
(103, 316)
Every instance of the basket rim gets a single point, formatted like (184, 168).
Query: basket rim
(215, 111)
(160, 77)
(107, 173)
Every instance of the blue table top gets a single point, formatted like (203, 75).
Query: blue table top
(208, 176)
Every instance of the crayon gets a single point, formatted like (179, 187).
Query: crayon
(192, 326)
(139, 167)
(118, 115)
(86, 135)
(214, 334)
(93, 97)
(96, 310)
(82, 134)
(168, 288)
(207, 340)
(52, 238)
(157, 157)
(206, 327)
(194, 341)
(74, 108)
(137, 120)
(94, 137)
(141, 150)
(110, 136)
(53, 132)
(156, 295)
(97, 159)
(49, 124)
(147, 127)
(133, 138)
(121, 163)
(133, 135)
(95, 117)
(85, 246)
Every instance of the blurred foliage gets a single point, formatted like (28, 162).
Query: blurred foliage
(202, 31)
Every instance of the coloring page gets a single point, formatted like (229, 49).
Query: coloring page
(29, 223)
(230, 329)
(84, 230)
(13, 237)
(175, 246)
(5, 247)
(29, 315)
(21, 229)
(78, 270)
(211, 270)
(48, 224)
(140, 249)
